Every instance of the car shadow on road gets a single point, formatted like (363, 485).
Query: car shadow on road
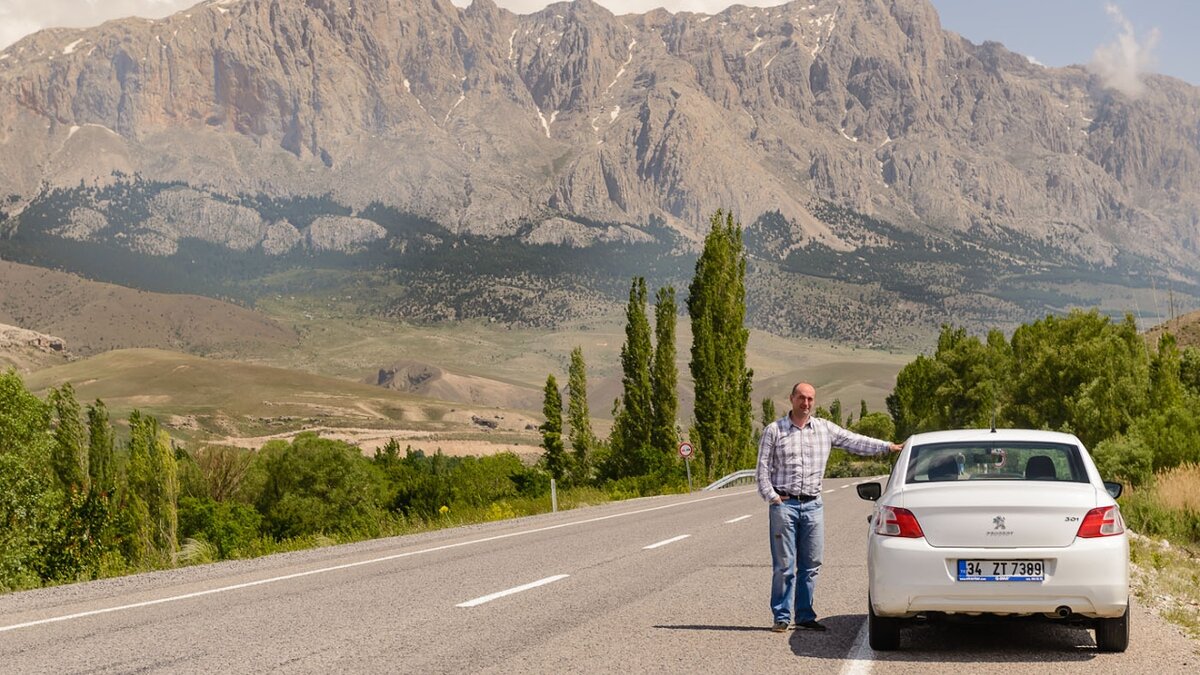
(1013, 642)
(991, 641)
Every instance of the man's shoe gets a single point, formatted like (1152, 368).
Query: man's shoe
(812, 625)
(779, 627)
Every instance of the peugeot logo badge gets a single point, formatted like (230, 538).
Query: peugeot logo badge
(998, 523)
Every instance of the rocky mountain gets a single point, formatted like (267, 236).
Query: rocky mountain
(573, 126)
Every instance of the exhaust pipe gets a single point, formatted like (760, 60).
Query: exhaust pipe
(1062, 612)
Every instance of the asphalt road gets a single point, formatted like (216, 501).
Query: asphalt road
(598, 596)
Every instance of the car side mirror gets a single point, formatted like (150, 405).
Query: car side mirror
(869, 491)
(1114, 489)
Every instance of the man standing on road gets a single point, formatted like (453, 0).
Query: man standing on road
(791, 464)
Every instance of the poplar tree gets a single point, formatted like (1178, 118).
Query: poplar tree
(69, 458)
(153, 489)
(664, 378)
(717, 307)
(583, 439)
(633, 421)
(835, 411)
(101, 467)
(768, 412)
(552, 442)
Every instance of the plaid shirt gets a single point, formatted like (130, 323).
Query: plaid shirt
(792, 459)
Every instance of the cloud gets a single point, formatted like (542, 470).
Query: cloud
(1121, 62)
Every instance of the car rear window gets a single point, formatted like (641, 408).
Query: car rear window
(995, 461)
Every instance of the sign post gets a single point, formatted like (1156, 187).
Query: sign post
(685, 451)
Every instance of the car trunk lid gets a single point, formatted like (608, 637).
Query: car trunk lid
(977, 514)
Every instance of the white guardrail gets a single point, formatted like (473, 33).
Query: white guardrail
(743, 477)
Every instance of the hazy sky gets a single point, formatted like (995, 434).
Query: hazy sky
(1121, 36)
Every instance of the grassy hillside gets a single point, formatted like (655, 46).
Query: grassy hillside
(94, 317)
(310, 361)
(334, 340)
(245, 404)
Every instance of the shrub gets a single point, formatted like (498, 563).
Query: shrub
(1125, 458)
(230, 527)
(316, 485)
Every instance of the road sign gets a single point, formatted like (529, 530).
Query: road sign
(685, 451)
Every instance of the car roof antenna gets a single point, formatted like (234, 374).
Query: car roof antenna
(993, 420)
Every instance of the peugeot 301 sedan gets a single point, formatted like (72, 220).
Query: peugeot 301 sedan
(1003, 523)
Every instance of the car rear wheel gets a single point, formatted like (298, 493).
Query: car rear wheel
(883, 633)
(1112, 635)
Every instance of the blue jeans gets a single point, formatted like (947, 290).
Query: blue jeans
(797, 544)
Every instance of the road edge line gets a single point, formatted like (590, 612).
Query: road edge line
(859, 658)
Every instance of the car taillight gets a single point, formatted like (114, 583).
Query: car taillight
(1103, 521)
(897, 522)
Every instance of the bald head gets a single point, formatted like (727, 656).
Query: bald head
(803, 400)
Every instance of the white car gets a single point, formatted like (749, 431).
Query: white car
(1001, 523)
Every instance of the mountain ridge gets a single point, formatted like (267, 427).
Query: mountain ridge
(574, 112)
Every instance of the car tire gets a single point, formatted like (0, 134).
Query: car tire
(1112, 635)
(883, 633)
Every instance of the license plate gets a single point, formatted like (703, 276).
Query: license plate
(1001, 570)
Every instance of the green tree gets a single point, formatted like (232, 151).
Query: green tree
(631, 426)
(835, 411)
(1080, 372)
(318, 485)
(30, 506)
(962, 385)
(101, 444)
(70, 458)
(664, 376)
(553, 455)
(911, 403)
(717, 307)
(875, 425)
(153, 491)
(769, 413)
(1189, 370)
(1166, 386)
(583, 439)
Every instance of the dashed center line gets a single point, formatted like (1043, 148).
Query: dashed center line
(734, 520)
(511, 591)
(664, 542)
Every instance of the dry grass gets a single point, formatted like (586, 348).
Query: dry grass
(95, 317)
(236, 403)
(515, 361)
(1167, 578)
(1176, 489)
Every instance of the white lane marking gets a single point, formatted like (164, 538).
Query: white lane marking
(511, 591)
(734, 520)
(359, 563)
(859, 658)
(664, 542)
(828, 491)
(843, 487)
